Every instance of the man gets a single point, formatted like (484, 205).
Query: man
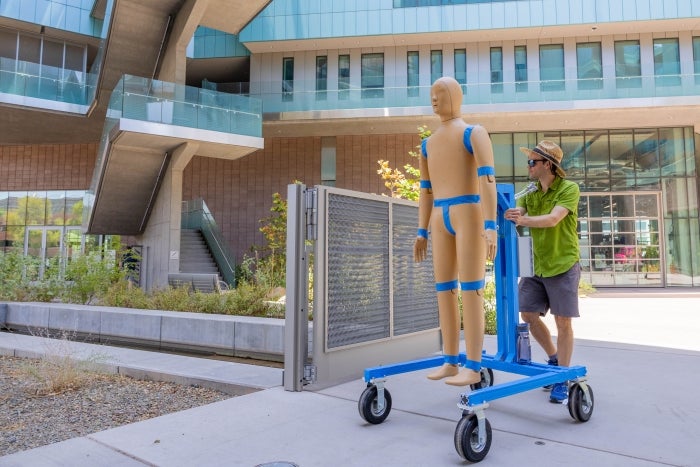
(551, 214)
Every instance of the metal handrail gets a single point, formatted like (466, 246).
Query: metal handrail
(196, 215)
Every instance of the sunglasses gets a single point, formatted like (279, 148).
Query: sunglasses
(533, 162)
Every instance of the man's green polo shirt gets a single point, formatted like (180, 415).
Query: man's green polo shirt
(556, 248)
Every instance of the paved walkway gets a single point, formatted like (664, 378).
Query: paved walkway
(643, 359)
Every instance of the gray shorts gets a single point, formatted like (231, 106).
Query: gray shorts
(558, 294)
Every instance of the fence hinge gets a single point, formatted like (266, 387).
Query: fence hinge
(311, 213)
(309, 374)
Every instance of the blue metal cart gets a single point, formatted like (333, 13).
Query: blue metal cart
(473, 432)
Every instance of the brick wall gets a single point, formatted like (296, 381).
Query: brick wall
(239, 193)
(47, 167)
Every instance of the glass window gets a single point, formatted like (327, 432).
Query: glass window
(496, 69)
(574, 163)
(622, 156)
(372, 75)
(672, 151)
(696, 58)
(597, 152)
(321, 76)
(36, 208)
(667, 62)
(520, 68)
(589, 65)
(646, 152)
(287, 78)
(628, 65)
(412, 73)
(8, 44)
(503, 154)
(328, 172)
(461, 67)
(552, 67)
(343, 76)
(435, 65)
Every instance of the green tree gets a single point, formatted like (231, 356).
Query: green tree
(400, 185)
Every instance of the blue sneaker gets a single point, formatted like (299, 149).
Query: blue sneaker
(560, 393)
(553, 362)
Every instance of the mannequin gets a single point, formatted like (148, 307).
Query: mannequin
(458, 205)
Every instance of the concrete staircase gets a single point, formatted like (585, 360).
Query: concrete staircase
(196, 258)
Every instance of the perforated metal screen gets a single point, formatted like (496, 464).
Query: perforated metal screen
(369, 242)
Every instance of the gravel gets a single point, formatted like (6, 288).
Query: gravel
(33, 414)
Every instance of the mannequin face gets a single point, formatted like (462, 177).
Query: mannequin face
(440, 100)
(446, 98)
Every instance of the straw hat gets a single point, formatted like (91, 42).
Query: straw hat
(548, 150)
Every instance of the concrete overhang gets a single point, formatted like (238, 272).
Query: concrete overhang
(134, 162)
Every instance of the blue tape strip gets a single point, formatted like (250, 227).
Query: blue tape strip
(445, 286)
(485, 170)
(489, 225)
(424, 147)
(467, 138)
(472, 365)
(473, 285)
(464, 199)
(423, 233)
(451, 359)
(426, 184)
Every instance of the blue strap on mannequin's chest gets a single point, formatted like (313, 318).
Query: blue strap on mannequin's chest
(466, 139)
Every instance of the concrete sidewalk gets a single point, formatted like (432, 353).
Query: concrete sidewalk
(643, 361)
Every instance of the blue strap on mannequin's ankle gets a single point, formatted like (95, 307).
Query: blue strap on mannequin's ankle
(451, 359)
(472, 365)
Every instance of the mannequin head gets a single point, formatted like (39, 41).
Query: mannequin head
(446, 98)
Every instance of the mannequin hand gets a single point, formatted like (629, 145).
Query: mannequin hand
(491, 244)
(420, 249)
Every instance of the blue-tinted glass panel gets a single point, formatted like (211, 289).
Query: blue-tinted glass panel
(667, 62)
(628, 65)
(461, 66)
(343, 76)
(552, 67)
(520, 55)
(372, 75)
(696, 58)
(496, 69)
(412, 73)
(589, 65)
(435, 65)
(287, 78)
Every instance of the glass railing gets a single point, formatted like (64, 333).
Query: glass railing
(174, 104)
(44, 82)
(196, 215)
(304, 96)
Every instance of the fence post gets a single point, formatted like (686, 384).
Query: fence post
(296, 308)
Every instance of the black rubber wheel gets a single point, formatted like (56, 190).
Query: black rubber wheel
(369, 407)
(486, 379)
(580, 409)
(467, 439)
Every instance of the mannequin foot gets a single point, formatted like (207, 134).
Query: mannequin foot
(444, 371)
(464, 378)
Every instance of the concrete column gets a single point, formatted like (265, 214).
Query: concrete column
(161, 239)
(173, 68)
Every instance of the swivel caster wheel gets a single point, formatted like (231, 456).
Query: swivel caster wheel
(467, 441)
(371, 409)
(580, 406)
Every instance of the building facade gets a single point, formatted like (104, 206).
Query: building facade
(342, 85)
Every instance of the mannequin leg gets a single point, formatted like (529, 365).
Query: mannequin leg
(473, 317)
(448, 313)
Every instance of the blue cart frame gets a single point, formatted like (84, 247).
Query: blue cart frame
(473, 432)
